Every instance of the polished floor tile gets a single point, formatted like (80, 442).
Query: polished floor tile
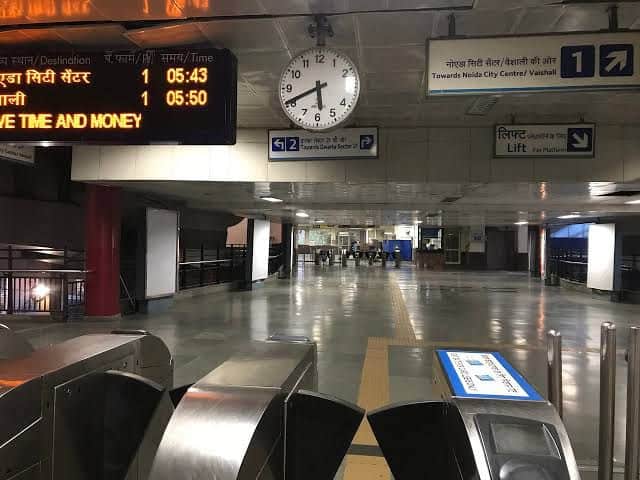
(343, 308)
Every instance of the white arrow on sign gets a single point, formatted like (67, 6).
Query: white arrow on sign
(581, 142)
(619, 58)
(279, 144)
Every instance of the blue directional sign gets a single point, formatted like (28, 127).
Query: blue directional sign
(300, 145)
(278, 144)
(578, 61)
(580, 140)
(293, 144)
(616, 60)
(366, 142)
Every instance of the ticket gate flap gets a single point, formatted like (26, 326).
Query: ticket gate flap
(480, 439)
(100, 421)
(420, 440)
(319, 431)
(12, 345)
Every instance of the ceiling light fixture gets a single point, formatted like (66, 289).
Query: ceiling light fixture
(570, 216)
(302, 214)
(388, 233)
(418, 222)
(319, 221)
(522, 223)
(633, 202)
(271, 199)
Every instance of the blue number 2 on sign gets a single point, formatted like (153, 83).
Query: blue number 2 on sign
(578, 61)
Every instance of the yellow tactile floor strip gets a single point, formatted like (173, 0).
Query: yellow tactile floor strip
(403, 328)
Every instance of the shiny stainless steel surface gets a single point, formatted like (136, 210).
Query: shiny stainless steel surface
(267, 364)
(632, 452)
(554, 369)
(248, 419)
(607, 400)
(12, 345)
(31, 392)
(539, 411)
(229, 425)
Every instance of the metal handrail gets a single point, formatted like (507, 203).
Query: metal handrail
(45, 271)
(204, 262)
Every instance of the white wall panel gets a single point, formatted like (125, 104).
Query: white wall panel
(162, 245)
(602, 242)
(261, 233)
(455, 155)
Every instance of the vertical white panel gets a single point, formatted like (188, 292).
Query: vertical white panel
(523, 239)
(602, 245)
(162, 246)
(261, 233)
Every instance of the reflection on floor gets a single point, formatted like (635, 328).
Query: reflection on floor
(376, 330)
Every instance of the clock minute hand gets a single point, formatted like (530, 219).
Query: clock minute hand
(319, 90)
(306, 93)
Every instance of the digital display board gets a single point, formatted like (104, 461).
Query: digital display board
(129, 98)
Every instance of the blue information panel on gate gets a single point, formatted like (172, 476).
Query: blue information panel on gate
(484, 375)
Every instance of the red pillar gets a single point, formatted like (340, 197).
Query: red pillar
(102, 242)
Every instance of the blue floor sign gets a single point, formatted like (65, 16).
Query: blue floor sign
(484, 375)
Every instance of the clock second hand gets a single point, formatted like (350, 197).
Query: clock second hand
(319, 86)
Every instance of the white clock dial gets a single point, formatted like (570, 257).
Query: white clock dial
(320, 89)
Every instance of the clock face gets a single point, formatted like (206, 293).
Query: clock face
(320, 89)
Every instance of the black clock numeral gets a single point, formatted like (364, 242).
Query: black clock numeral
(318, 117)
(332, 113)
(296, 73)
(343, 102)
(334, 63)
(304, 111)
(320, 58)
(345, 72)
(289, 88)
(305, 63)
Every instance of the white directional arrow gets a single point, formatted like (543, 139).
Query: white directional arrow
(618, 59)
(279, 144)
(581, 142)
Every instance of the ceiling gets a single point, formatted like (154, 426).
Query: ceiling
(399, 203)
(386, 38)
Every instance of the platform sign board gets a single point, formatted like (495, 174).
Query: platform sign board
(596, 61)
(347, 143)
(177, 96)
(18, 153)
(553, 140)
(484, 375)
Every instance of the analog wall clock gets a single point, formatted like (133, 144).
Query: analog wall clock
(319, 89)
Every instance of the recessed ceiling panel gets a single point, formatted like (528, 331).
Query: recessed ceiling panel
(108, 36)
(383, 29)
(167, 36)
(252, 35)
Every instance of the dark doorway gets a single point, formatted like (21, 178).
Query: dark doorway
(501, 249)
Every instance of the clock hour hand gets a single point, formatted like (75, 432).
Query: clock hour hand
(319, 90)
(319, 86)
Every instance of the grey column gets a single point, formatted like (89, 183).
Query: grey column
(287, 250)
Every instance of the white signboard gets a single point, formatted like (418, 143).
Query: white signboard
(288, 145)
(162, 248)
(602, 247)
(484, 374)
(18, 153)
(560, 140)
(540, 63)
